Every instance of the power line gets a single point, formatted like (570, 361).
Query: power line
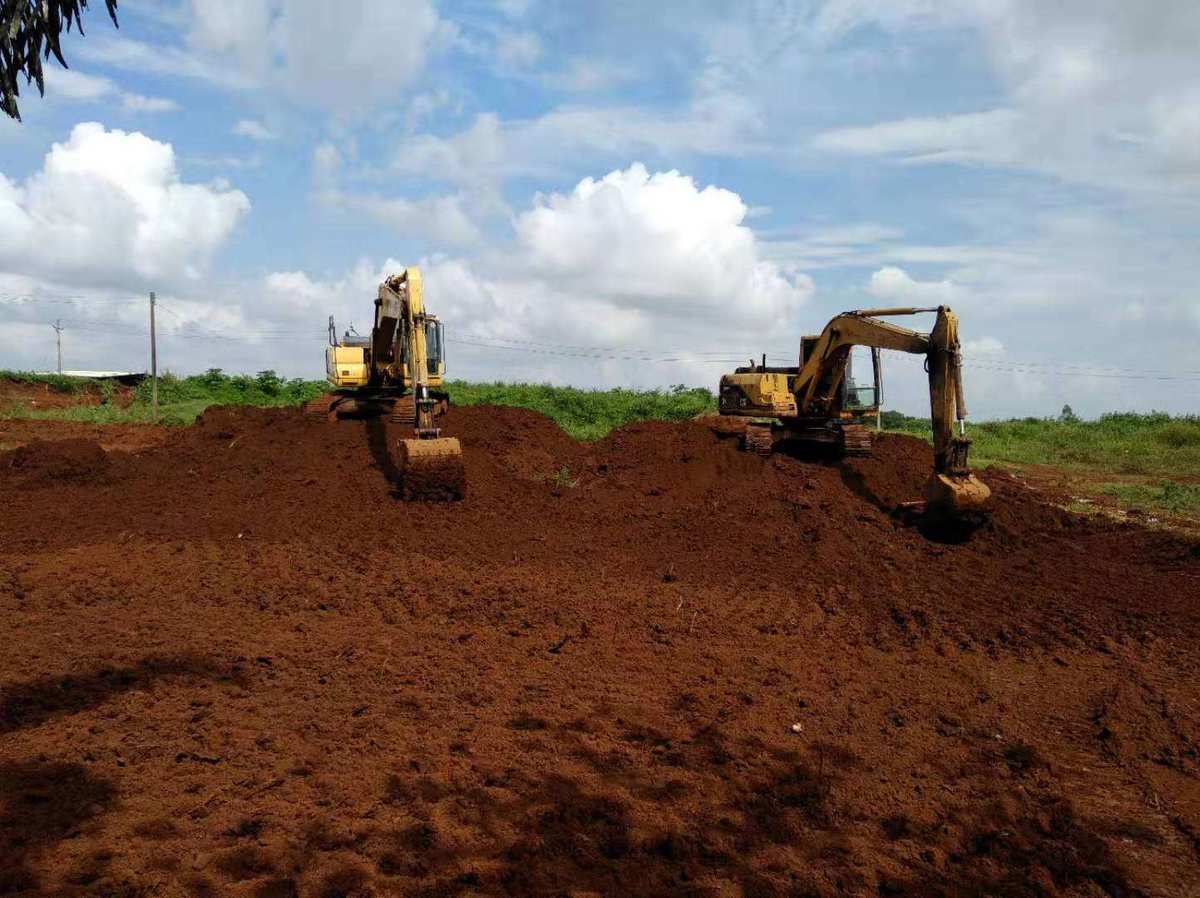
(204, 334)
(67, 299)
(631, 355)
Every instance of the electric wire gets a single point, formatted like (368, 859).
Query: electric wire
(203, 334)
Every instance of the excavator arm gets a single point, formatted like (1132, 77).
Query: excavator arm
(432, 464)
(407, 287)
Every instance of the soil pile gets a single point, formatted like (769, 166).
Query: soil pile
(653, 665)
(52, 461)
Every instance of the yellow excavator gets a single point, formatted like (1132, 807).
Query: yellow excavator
(817, 401)
(396, 371)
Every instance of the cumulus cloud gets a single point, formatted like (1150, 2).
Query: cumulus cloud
(631, 262)
(894, 284)
(110, 206)
(641, 239)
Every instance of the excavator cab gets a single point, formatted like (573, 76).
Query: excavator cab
(435, 350)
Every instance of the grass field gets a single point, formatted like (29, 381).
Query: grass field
(1149, 462)
(1146, 461)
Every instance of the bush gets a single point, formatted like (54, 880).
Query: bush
(589, 414)
(1179, 434)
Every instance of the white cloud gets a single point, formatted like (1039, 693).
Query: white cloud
(633, 262)
(1102, 92)
(446, 218)
(588, 75)
(138, 56)
(345, 56)
(639, 239)
(75, 86)
(440, 218)
(894, 284)
(490, 150)
(141, 103)
(252, 129)
(982, 347)
(518, 49)
(424, 106)
(991, 136)
(109, 206)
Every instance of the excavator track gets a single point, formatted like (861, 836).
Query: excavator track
(404, 411)
(855, 440)
(759, 439)
(321, 408)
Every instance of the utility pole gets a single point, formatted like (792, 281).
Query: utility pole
(58, 329)
(153, 364)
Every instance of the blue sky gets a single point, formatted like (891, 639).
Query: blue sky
(622, 194)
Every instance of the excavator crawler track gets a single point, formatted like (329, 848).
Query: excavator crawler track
(759, 439)
(404, 410)
(856, 440)
(321, 408)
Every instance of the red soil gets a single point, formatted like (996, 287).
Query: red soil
(652, 666)
(124, 437)
(42, 396)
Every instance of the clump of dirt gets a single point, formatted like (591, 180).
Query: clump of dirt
(51, 461)
(653, 664)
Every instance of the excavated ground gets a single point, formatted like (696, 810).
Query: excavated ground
(236, 665)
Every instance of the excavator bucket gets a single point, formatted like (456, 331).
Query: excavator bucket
(955, 495)
(432, 469)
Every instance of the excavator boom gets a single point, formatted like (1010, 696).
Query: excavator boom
(431, 464)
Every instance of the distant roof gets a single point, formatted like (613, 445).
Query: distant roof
(96, 374)
(128, 378)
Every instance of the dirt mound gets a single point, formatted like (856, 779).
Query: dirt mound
(50, 461)
(19, 393)
(652, 665)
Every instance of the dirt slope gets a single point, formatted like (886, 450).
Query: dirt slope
(650, 666)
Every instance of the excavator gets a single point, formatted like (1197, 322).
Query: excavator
(395, 371)
(816, 401)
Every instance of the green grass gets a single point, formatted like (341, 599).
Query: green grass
(1177, 498)
(1154, 444)
(585, 414)
(59, 383)
(180, 399)
(588, 414)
